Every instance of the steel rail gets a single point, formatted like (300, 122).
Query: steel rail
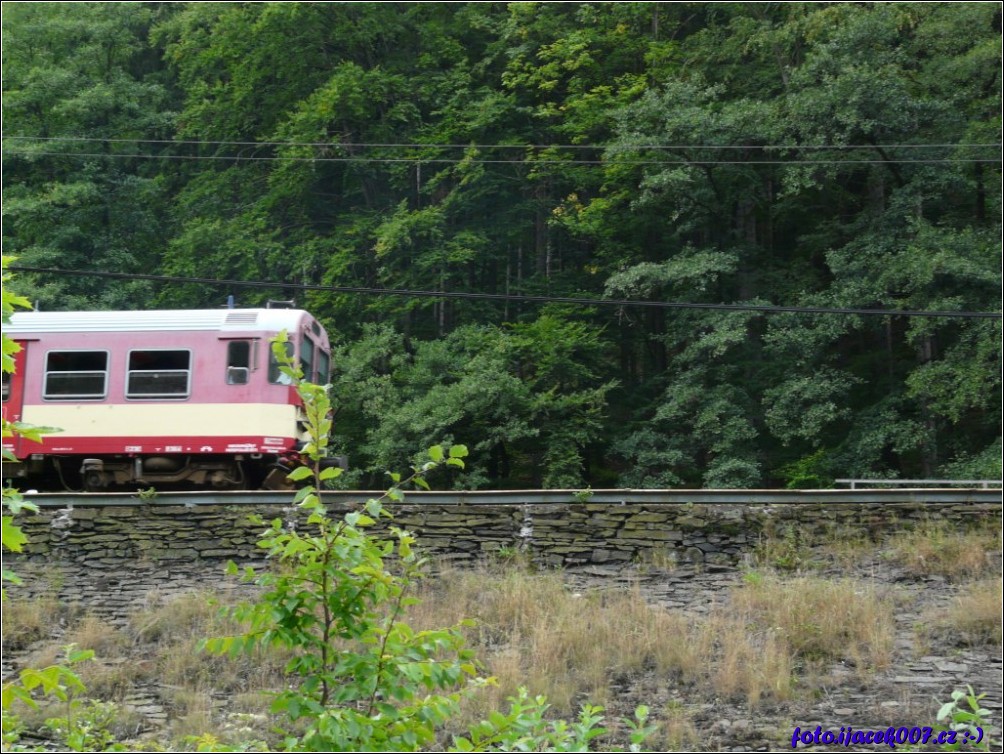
(535, 497)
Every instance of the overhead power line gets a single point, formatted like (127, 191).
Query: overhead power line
(482, 161)
(580, 301)
(423, 145)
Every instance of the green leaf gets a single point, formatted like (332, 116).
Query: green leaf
(13, 538)
(331, 472)
(436, 453)
(74, 656)
(301, 472)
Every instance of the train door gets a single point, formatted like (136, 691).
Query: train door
(13, 399)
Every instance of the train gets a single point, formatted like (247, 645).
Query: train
(163, 399)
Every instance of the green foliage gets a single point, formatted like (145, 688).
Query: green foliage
(13, 501)
(84, 727)
(809, 473)
(741, 153)
(533, 394)
(965, 715)
(74, 76)
(364, 679)
(525, 728)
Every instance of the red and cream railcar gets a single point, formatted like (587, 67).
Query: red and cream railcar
(159, 397)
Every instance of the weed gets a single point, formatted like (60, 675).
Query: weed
(786, 551)
(935, 550)
(973, 620)
(29, 620)
(816, 617)
(749, 663)
(677, 731)
(969, 724)
(531, 630)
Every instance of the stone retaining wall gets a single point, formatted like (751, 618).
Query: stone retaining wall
(557, 535)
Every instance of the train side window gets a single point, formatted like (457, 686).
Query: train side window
(323, 367)
(238, 362)
(6, 386)
(307, 359)
(75, 375)
(274, 375)
(159, 374)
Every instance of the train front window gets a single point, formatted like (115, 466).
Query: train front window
(275, 376)
(159, 374)
(238, 362)
(75, 375)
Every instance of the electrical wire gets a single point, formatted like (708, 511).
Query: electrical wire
(420, 145)
(479, 161)
(581, 301)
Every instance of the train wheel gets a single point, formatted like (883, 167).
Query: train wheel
(94, 481)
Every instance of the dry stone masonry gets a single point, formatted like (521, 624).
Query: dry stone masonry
(550, 534)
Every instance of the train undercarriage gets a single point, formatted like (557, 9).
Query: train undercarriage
(111, 473)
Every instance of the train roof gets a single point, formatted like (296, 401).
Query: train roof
(265, 320)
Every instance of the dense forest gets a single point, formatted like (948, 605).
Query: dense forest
(767, 156)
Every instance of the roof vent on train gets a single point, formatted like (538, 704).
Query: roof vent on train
(241, 318)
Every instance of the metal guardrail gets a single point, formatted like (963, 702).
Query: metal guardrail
(537, 497)
(923, 483)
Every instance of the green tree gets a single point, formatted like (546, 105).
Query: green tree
(335, 597)
(80, 82)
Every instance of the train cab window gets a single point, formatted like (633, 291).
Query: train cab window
(238, 362)
(159, 374)
(275, 376)
(323, 367)
(75, 375)
(307, 359)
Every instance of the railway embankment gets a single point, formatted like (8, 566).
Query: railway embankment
(119, 557)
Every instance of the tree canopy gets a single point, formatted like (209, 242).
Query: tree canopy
(834, 155)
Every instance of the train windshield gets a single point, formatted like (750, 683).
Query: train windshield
(275, 376)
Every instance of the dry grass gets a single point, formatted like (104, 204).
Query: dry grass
(26, 621)
(532, 631)
(192, 714)
(935, 550)
(785, 550)
(96, 633)
(974, 618)
(748, 661)
(677, 731)
(111, 673)
(820, 618)
(176, 617)
(847, 549)
(172, 633)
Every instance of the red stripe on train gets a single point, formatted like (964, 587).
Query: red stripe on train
(152, 445)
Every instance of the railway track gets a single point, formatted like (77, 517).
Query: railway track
(539, 497)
